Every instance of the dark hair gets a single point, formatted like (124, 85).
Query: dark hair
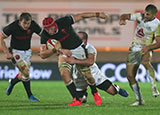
(26, 16)
(85, 35)
(151, 8)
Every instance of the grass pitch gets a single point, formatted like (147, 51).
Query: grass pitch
(54, 98)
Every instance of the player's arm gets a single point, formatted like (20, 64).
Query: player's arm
(86, 62)
(78, 17)
(123, 18)
(154, 46)
(44, 52)
(4, 47)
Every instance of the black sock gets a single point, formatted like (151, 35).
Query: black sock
(82, 93)
(93, 88)
(72, 89)
(15, 81)
(27, 87)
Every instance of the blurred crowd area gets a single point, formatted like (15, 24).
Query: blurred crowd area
(112, 56)
(86, 0)
(103, 56)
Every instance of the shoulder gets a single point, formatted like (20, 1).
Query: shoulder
(91, 48)
(44, 33)
(34, 23)
(137, 16)
(65, 19)
(13, 24)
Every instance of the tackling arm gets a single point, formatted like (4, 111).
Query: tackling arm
(86, 62)
(78, 17)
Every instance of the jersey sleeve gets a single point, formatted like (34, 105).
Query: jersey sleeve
(7, 31)
(65, 21)
(91, 50)
(43, 38)
(157, 33)
(136, 17)
(37, 28)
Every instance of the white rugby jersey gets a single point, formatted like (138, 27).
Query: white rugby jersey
(145, 31)
(99, 78)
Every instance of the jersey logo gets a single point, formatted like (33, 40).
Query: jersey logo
(140, 32)
(63, 31)
(17, 57)
(28, 31)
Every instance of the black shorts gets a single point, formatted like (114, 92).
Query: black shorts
(105, 85)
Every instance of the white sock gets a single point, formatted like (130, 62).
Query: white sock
(137, 92)
(116, 87)
(69, 83)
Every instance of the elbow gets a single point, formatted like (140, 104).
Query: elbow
(90, 63)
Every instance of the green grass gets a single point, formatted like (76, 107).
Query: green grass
(54, 98)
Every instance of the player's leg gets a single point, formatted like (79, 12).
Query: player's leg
(146, 62)
(81, 53)
(86, 72)
(22, 59)
(112, 89)
(82, 93)
(131, 74)
(81, 85)
(12, 83)
(65, 69)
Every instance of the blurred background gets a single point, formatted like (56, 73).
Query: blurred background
(111, 40)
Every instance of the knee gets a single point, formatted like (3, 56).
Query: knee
(65, 74)
(130, 78)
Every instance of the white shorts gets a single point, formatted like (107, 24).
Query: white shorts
(79, 52)
(81, 82)
(22, 55)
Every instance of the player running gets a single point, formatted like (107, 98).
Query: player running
(147, 30)
(19, 52)
(61, 30)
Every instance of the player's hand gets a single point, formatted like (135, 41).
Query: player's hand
(145, 49)
(103, 15)
(122, 22)
(70, 60)
(58, 45)
(66, 52)
(9, 56)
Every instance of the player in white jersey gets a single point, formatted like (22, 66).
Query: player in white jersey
(101, 82)
(146, 31)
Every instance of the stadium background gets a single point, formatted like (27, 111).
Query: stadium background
(111, 40)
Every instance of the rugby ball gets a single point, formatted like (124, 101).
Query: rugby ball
(51, 43)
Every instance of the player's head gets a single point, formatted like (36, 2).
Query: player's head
(83, 36)
(25, 20)
(50, 25)
(150, 12)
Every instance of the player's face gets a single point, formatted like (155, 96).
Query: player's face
(51, 30)
(25, 24)
(148, 16)
(81, 36)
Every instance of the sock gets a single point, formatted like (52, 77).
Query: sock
(72, 89)
(15, 80)
(82, 93)
(27, 87)
(93, 88)
(151, 76)
(117, 88)
(137, 92)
